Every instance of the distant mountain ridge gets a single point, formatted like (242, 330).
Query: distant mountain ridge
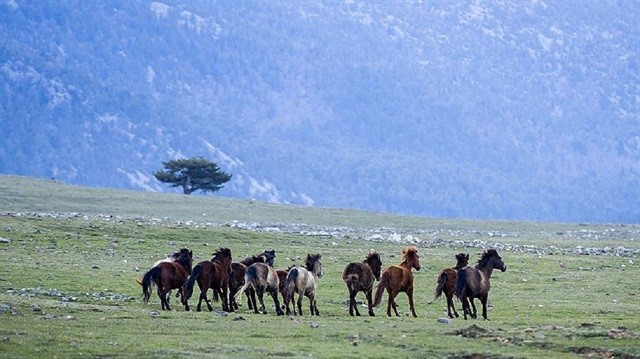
(476, 109)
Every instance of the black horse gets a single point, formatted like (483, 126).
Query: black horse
(474, 283)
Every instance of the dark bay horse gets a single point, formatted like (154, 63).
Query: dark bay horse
(167, 276)
(212, 274)
(238, 271)
(474, 282)
(399, 278)
(282, 277)
(261, 278)
(447, 283)
(359, 277)
(304, 282)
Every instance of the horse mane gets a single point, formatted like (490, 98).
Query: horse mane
(311, 260)
(258, 258)
(372, 255)
(221, 253)
(408, 252)
(486, 255)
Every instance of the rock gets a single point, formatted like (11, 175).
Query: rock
(5, 240)
(445, 320)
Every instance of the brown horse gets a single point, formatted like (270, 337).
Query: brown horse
(167, 276)
(447, 283)
(238, 271)
(399, 278)
(212, 274)
(474, 282)
(282, 277)
(304, 282)
(261, 278)
(359, 277)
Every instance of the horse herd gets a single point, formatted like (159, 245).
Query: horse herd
(256, 275)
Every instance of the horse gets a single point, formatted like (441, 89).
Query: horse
(399, 278)
(447, 283)
(212, 274)
(261, 278)
(238, 271)
(304, 282)
(474, 282)
(282, 277)
(170, 258)
(167, 276)
(359, 277)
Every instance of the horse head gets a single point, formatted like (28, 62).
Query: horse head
(462, 260)
(269, 256)
(491, 258)
(375, 263)
(314, 264)
(410, 256)
(185, 259)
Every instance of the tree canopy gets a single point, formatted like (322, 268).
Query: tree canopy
(193, 174)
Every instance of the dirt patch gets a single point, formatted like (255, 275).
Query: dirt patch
(473, 331)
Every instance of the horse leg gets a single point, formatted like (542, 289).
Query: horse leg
(474, 312)
(369, 294)
(450, 306)
(252, 300)
(206, 300)
(225, 303)
(352, 303)
(413, 310)
(274, 295)
(313, 305)
(262, 308)
(300, 296)
(483, 300)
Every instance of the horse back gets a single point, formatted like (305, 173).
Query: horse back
(172, 275)
(402, 276)
(358, 275)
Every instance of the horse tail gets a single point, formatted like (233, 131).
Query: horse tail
(461, 283)
(148, 280)
(188, 287)
(291, 283)
(246, 286)
(351, 279)
(442, 282)
(382, 285)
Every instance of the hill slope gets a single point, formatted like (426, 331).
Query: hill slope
(470, 109)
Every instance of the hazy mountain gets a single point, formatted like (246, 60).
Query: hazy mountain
(478, 109)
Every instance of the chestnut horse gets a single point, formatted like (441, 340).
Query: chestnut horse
(238, 271)
(474, 282)
(212, 274)
(359, 277)
(447, 283)
(261, 278)
(304, 282)
(167, 276)
(399, 278)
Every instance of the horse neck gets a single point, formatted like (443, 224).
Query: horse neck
(486, 269)
(405, 264)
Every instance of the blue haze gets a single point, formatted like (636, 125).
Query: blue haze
(518, 110)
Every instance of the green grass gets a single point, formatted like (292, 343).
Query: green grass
(67, 284)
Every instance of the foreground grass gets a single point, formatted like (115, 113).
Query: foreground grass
(67, 287)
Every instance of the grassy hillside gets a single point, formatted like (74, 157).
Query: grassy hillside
(70, 256)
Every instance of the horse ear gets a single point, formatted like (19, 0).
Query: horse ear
(191, 254)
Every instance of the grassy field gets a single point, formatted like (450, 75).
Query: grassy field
(70, 256)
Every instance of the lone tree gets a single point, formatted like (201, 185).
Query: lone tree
(193, 174)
